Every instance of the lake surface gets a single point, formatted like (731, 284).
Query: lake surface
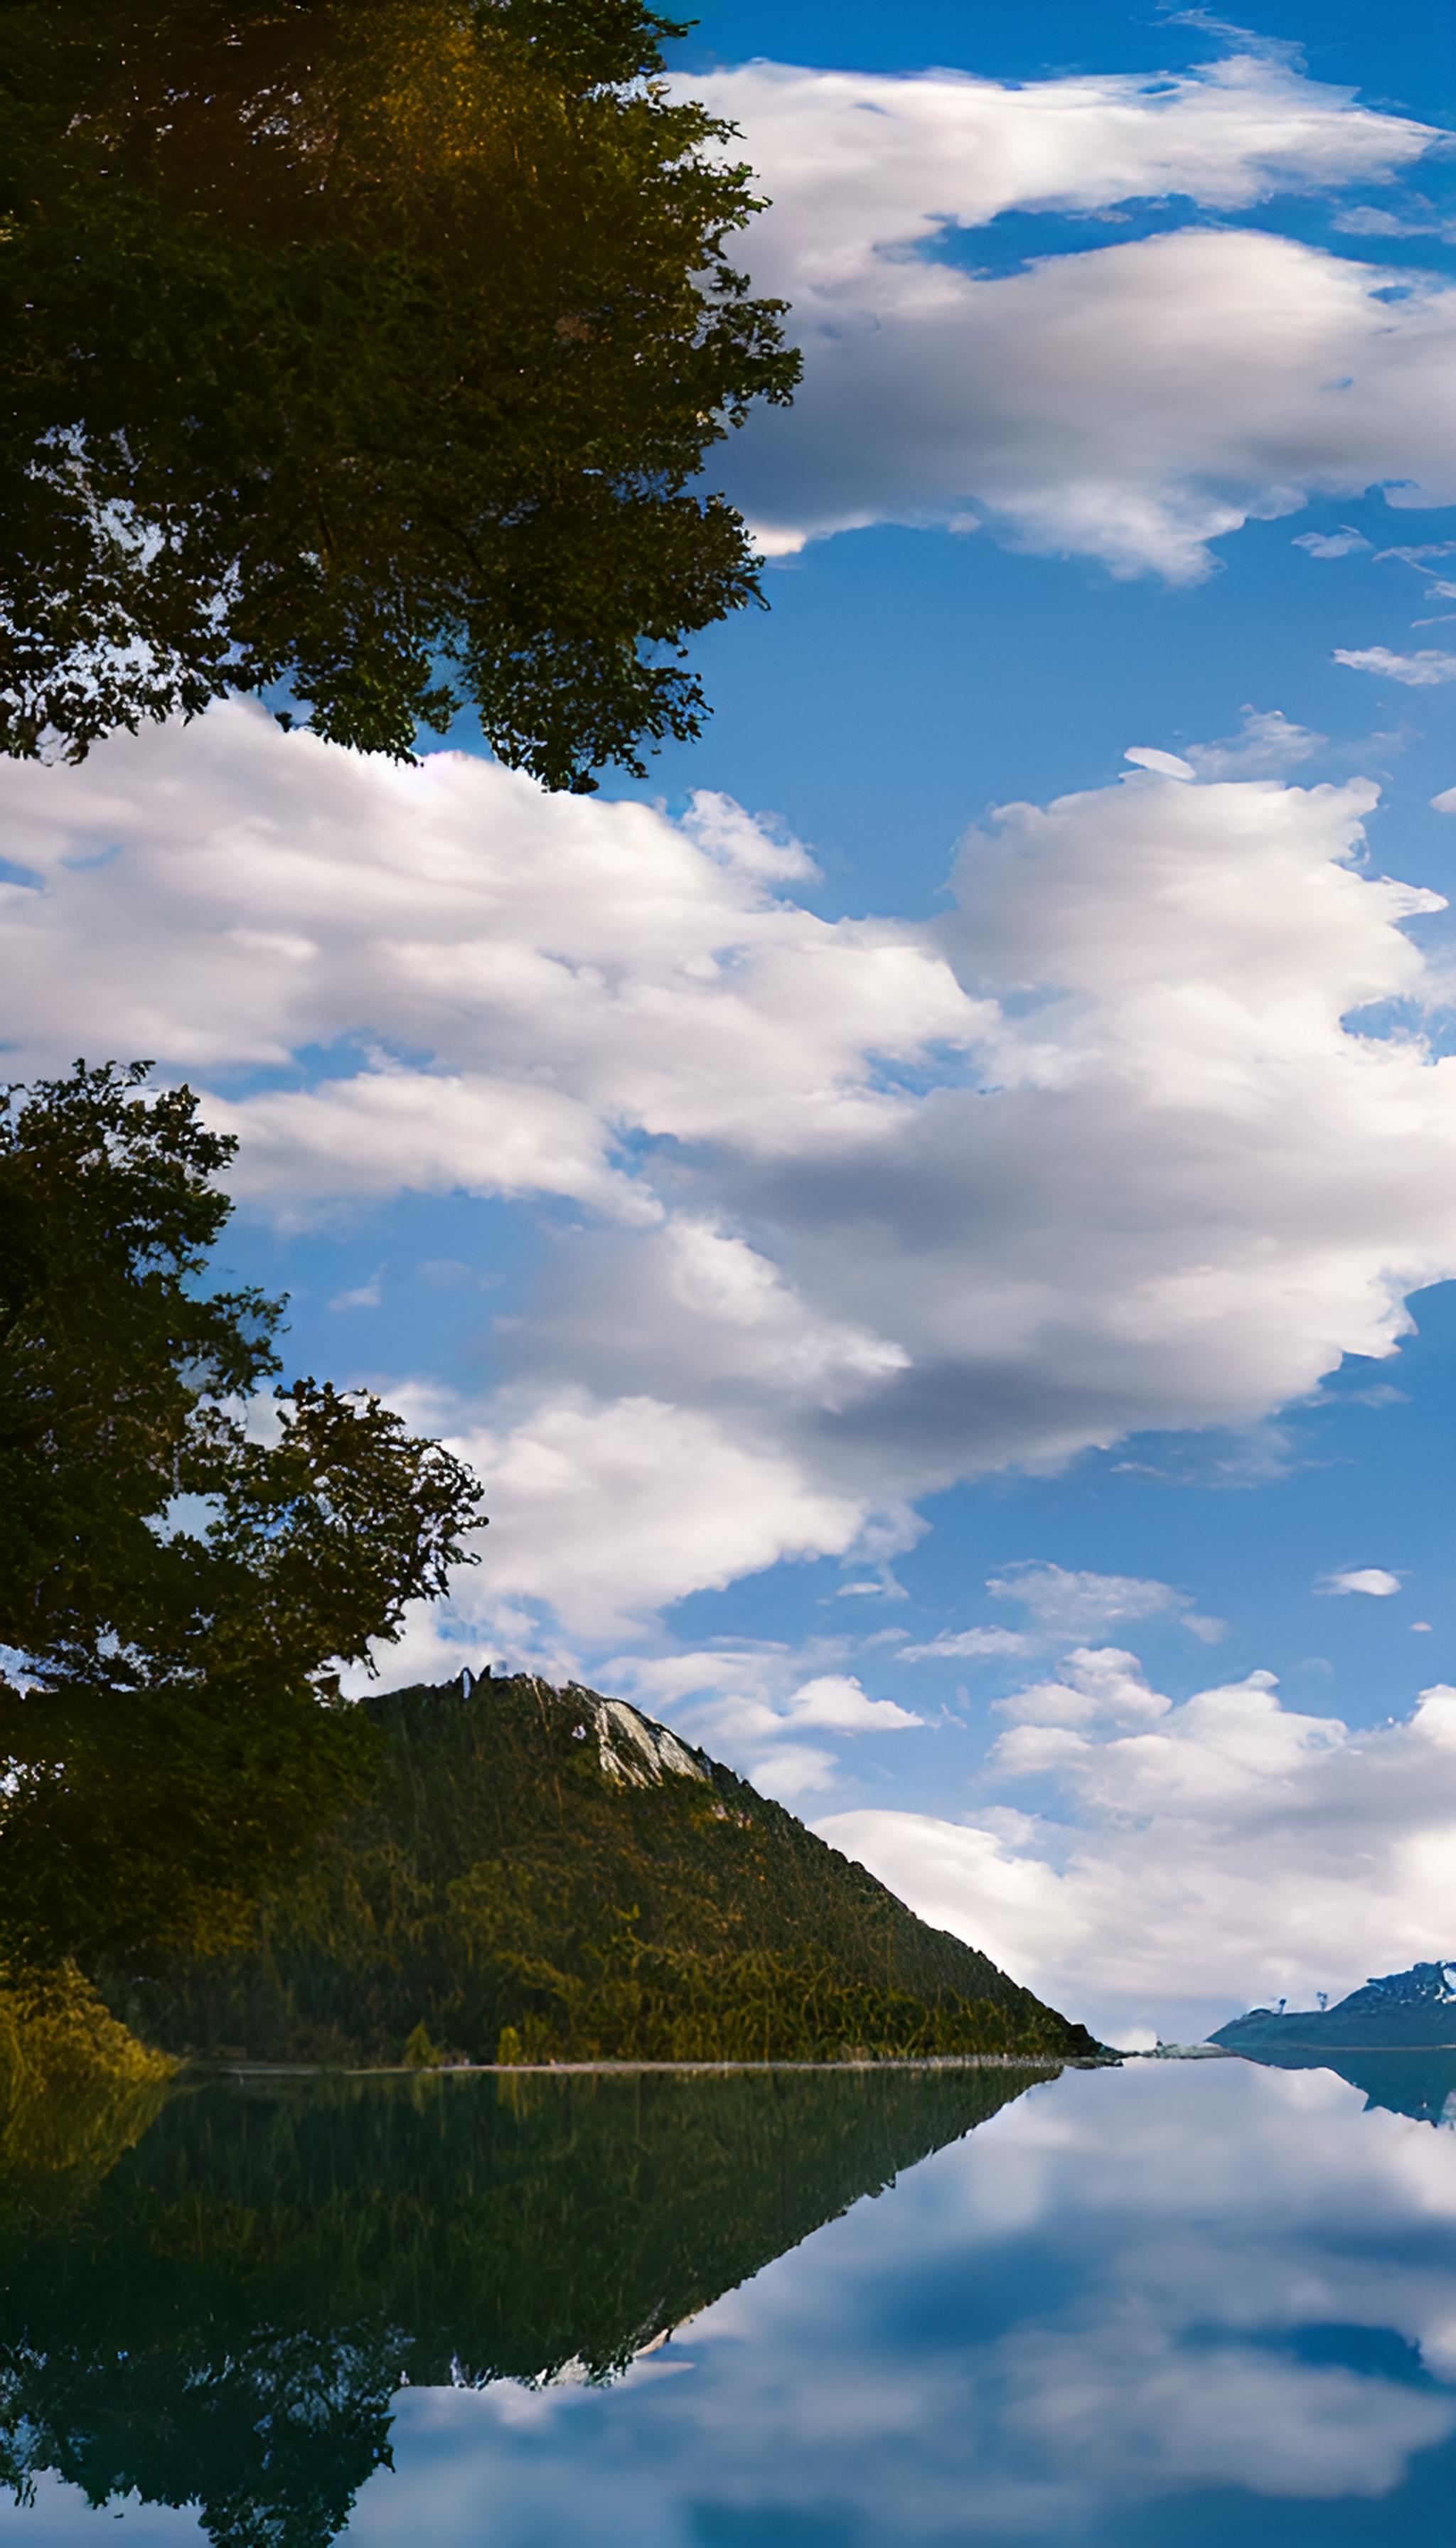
(1172, 2306)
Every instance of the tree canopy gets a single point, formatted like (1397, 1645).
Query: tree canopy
(370, 353)
(181, 1584)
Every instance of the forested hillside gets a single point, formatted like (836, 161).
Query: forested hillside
(543, 1875)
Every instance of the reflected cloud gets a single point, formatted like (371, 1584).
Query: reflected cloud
(1210, 2290)
(1172, 2303)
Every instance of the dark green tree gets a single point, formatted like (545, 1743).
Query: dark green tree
(178, 1596)
(373, 350)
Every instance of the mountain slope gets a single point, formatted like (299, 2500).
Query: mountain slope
(1408, 2011)
(546, 1874)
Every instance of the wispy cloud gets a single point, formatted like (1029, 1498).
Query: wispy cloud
(1071, 1602)
(364, 1296)
(960, 1645)
(1331, 544)
(1423, 670)
(1267, 745)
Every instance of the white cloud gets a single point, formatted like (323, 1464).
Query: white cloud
(1068, 1601)
(568, 966)
(605, 1509)
(1331, 544)
(362, 1296)
(861, 1207)
(862, 168)
(960, 1644)
(1133, 401)
(1230, 1852)
(1419, 220)
(355, 1139)
(1377, 1580)
(839, 1702)
(794, 1771)
(1423, 670)
(1267, 745)
(1100, 1686)
(449, 1274)
(1445, 804)
(1166, 764)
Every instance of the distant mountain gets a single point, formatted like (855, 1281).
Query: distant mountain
(1414, 2011)
(546, 1874)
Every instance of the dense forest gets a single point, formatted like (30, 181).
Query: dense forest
(542, 1874)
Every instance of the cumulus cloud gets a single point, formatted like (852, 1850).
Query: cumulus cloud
(860, 1207)
(567, 966)
(839, 1702)
(1424, 671)
(1133, 401)
(603, 1510)
(1098, 1684)
(1417, 218)
(1226, 1850)
(1376, 1580)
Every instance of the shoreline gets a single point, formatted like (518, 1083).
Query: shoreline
(1050, 2062)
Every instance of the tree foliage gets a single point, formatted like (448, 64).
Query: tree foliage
(370, 349)
(178, 1592)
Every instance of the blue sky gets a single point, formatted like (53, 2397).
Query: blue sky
(805, 1198)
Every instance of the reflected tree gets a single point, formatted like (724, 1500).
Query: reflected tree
(225, 2320)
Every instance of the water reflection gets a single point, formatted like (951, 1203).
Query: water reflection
(1420, 2084)
(1168, 2307)
(225, 2315)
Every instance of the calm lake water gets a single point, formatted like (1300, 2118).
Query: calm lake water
(1176, 2306)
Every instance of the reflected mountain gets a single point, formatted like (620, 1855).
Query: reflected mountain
(224, 2318)
(1418, 2083)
